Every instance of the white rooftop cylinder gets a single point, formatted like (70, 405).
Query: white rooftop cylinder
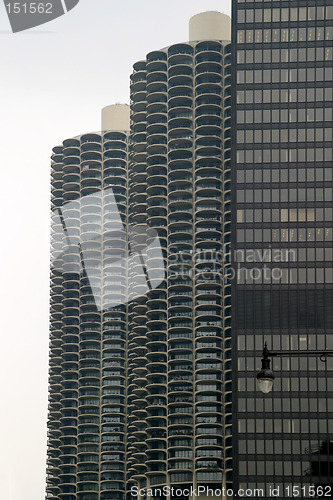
(211, 25)
(116, 117)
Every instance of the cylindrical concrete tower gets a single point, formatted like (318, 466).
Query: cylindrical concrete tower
(87, 402)
(179, 370)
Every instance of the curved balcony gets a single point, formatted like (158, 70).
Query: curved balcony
(157, 88)
(139, 69)
(71, 163)
(91, 138)
(113, 146)
(178, 186)
(208, 86)
(156, 97)
(115, 136)
(180, 59)
(71, 174)
(156, 147)
(138, 84)
(179, 101)
(157, 76)
(180, 80)
(209, 56)
(211, 172)
(157, 64)
(91, 155)
(57, 166)
(209, 46)
(208, 111)
(139, 107)
(91, 147)
(67, 143)
(156, 128)
(183, 120)
(56, 177)
(180, 70)
(139, 96)
(180, 464)
(212, 65)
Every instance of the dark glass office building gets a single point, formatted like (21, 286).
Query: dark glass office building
(282, 243)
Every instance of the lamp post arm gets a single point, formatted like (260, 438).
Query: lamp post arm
(322, 355)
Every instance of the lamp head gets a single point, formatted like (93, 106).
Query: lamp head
(265, 376)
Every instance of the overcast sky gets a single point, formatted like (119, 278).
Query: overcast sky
(54, 81)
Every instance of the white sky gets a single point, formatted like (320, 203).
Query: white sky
(54, 81)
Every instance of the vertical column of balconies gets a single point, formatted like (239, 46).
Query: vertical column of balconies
(227, 339)
(209, 261)
(89, 429)
(212, 349)
(137, 338)
(180, 279)
(56, 306)
(70, 326)
(156, 304)
(114, 320)
(70, 329)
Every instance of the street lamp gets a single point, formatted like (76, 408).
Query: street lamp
(266, 377)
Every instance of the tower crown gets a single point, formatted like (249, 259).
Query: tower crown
(210, 25)
(116, 117)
